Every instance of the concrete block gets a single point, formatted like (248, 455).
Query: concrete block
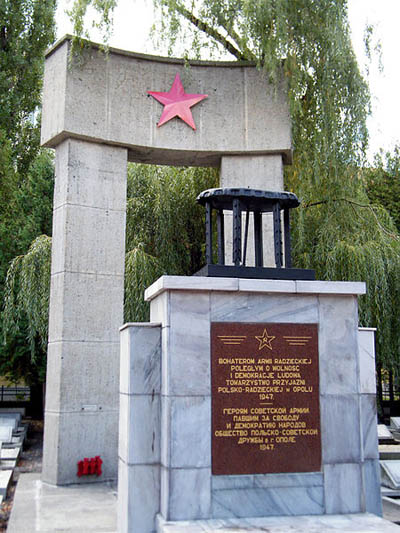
(340, 429)
(105, 100)
(138, 497)
(343, 488)
(241, 503)
(70, 437)
(82, 376)
(188, 442)
(81, 249)
(140, 359)
(90, 175)
(366, 352)
(338, 344)
(85, 307)
(185, 493)
(263, 172)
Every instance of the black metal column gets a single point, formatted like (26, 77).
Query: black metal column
(258, 239)
(209, 255)
(237, 233)
(288, 249)
(221, 237)
(277, 235)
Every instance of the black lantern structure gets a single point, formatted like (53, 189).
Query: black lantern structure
(257, 202)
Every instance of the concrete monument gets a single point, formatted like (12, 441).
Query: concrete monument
(98, 114)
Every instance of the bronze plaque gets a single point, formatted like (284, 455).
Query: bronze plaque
(265, 398)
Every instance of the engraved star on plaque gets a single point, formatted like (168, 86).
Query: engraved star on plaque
(265, 340)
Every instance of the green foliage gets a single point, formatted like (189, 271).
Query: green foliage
(307, 43)
(383, 183)
(165, 228)
(26, 30)
(26, 309)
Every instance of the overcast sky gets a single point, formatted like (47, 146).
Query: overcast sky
(133, 20)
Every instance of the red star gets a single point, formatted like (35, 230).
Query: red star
(177, 103)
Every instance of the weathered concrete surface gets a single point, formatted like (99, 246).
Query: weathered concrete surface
(86, 310)
(40, 508)
(106, 101)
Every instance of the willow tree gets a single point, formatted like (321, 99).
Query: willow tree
(337, 230)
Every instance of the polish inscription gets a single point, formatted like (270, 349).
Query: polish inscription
(265, 398)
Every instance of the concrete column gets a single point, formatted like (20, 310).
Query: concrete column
(86, 310)
(263, 172)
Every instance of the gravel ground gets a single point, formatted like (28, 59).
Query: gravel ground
(30, 460)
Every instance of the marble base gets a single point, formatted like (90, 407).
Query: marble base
(346, 523)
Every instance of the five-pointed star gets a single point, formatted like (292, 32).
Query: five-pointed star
(177, 103)
(265, 340)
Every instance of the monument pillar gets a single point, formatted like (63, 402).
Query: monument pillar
(86, 309)
(264, 172)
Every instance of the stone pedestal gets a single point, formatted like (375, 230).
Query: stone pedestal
(183, 486)
(86, 310)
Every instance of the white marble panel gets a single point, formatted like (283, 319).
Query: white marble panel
(338, 344)
(346, 523)
(139, 439)
(239, 503)
(313, 479)
(268, 481)
(189, 493)
(232, 482)
(190, 283)
(372, 487)
(138, 498)
(267, 285)
(331, 287)
(340, 429)
(366, 353)
(246, 307)
(189, 345)
(395, 422)
(343, 488)
(369, 421)
(159, 309)
(140, 359)
(188, 421)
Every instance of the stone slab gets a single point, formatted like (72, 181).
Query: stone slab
(347, 523)
(197, 283)
(40, 508)
(5, 479)
(390, 473)
(5, 434)
(389, 451)
(10, 453)
(384, 432)
(395, 422)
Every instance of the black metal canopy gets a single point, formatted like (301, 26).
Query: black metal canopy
(257, 202)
